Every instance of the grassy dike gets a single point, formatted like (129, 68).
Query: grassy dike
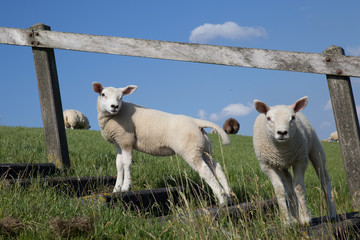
(37, 206)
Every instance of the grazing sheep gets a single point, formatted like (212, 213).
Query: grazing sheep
(231, 126)
(129, 126)
(284, 138)
(75, 119)
(334, 137)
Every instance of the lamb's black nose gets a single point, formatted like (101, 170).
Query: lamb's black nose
(282, 133)
(114, 106)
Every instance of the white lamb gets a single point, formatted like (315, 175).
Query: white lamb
(75, 119)
(284, 138)
(334, 137)
(129, 126)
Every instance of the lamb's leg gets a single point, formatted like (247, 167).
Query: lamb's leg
(126, 160)
(217, 170)
(198, 164)
(120, 170)
(291, 197)
(299, 186)
(213, 164)
(318, 159)
(276, 179)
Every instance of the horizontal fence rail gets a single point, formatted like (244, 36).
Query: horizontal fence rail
(319, 63)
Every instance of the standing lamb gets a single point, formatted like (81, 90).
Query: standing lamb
(75, 119)
(129, 126)
(284, 138)
(231, 126)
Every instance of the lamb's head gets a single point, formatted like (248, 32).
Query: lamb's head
(110, 98)
(280, 119)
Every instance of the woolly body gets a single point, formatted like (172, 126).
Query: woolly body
(129, 126)
(283, 154)
(334, 136)
(175, 134)
(75, 119)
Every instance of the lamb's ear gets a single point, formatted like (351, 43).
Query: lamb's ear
(300, 104)
(261, 107)
(97, 87)
(129, 89)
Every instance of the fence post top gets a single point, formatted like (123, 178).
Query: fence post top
(334, 50)
(40, 26)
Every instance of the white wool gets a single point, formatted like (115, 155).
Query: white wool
(284, 138)
(75, 119)
(334, 136)
(130, 126)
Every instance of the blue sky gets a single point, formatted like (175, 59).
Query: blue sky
(199, 90)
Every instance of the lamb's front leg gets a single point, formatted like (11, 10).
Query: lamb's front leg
(120, 170)
(276, 178)
(126, 160)
(299, 187)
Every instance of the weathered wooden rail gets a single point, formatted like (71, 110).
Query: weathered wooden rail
(332, 62)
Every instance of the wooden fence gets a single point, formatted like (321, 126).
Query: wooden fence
(332, 62)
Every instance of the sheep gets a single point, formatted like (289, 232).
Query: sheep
(129, 126)
(75, 119)
(334, 137)
(231, 126)
(283, 138)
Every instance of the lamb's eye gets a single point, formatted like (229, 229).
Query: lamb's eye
(268, 118)
(103, 94)
(292, 117)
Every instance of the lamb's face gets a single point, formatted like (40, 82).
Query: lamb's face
(110, 100)
(280, 121)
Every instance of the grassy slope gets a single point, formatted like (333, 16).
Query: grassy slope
(91, 156)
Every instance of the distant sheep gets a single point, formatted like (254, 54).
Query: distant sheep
(129, 126)
(334, 137)
(231, 126)
(284, 138)
(75, 119)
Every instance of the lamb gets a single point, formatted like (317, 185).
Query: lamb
(231, 126)
(129, 126)
(75, 119)
(334, 137)
(284, 138)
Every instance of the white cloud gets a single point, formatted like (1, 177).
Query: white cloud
(235, 110)
(228, 30)
(328, 105)
(355, 51)
(325, 124)
(202, 114)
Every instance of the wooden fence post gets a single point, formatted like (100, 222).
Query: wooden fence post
(347, 124)
(50, 101)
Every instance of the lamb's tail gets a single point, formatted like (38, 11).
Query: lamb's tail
(206, 124)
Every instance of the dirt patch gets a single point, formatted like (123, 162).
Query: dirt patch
(10, 226)
(75, 226)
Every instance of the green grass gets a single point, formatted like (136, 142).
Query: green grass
(90, 155)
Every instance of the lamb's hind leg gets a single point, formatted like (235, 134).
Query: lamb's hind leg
(198, 164)
(318, 159)
(214, 165)
(217, 170)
